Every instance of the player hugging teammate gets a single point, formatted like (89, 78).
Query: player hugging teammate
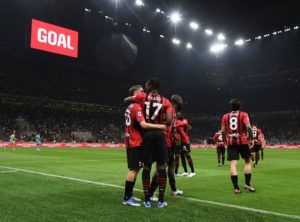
(155, 143)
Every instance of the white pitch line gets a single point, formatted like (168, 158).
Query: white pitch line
(9, 171)
(185, 198)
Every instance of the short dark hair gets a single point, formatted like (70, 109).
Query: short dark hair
(134, 88)
(235, 104)
(176, 100)
(180, 116)
(153, 84)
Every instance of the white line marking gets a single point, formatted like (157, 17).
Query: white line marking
(185, 198)
(9, 171)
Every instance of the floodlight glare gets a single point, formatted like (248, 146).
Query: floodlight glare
(175, 17)
(221, 37)
(162, 36)
(258, 37)
(296, 27)
(158, 10)
(218, 48)
(274, 33)
(209, 31)
(194, 25)
(176, 41)
(189, 45)
(239, 42)
(139, 3)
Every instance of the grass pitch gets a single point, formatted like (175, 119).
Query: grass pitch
(90, 188)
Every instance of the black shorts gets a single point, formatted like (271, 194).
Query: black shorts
(256, 149)
(221, 151)
(234, 152)
(176, 149)
(154, 148)
(185, 148)
(134, 159)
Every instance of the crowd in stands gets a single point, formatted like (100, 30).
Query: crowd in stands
(56, 124)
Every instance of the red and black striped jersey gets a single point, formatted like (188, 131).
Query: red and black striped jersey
(235, 124)
(133, 131)
(257, 135)
(182, 127)
(218, 138)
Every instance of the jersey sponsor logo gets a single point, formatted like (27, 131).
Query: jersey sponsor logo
(55, 39)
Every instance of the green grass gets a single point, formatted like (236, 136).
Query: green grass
(31, 197)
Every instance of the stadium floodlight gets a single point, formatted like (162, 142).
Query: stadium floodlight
(189, 45)
(247, 40)
(162, 36)
(175, 17)
(296, 27)
(139, 3)
(221, 37)
(148, 31)
(194, 25)
(209, 31)
(218, 48)
(158, 10)
(274, 33)
(144, 30)
(266, 35)
(279, 32)
(287, 30)
(176, 41)
(258, 37)
(239, 42)
(87, 10)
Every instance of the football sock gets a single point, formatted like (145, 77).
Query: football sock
(162, 180)
(172, 179)
(128, 189)
(154, 184)
(247, 179)
(176, 164)
(146, 183)
(133, 187)
(234, 180)
(183, 161)
(256, 157)
(190, 161)
(223, 160)
(219, 159)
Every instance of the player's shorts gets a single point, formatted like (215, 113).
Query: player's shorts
(221, 150)
(134, 158)
(154, 148)
(256, 149)
(185, 148)
(234, 152)
(176, 149)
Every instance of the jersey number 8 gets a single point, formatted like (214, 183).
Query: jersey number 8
(233, 123)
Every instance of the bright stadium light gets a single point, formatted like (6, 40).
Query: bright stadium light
(274, 33)
(175, 17)
(209, 31)
(194, 25)
(258, 37)
(162, 36)
(296, 27)
(158, 10)
(239, 42)
(189, 45)
(221, 37)
(139, 3)
(247, 40)
(266, 35)
(176, 41)
(218, 48)
(287, 30)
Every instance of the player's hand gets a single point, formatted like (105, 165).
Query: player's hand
(251, 144)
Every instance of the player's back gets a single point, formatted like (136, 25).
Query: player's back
(155, 108)
(235, 124)
(133, 130)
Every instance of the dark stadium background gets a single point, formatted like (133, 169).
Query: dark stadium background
(264, 74)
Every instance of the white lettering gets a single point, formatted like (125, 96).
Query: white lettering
(52, 38)
(42, 35)
(62, 41)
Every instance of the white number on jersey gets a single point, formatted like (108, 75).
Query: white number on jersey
(157, 107)
(220, 138)
(233, 123)
(127, 118)
(254, 132)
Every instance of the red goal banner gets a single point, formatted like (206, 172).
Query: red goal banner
(55, 39)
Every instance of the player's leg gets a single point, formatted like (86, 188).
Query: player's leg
(134, 163)
(246, 155)
(153, 186)
(219, 156)
(161, 153)
(223, 155)
(190, 160)
(256, 157)
(172, 182)
(233, 157)
(183, 162)
(176, 164)
(147, 154)
(262, 153)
